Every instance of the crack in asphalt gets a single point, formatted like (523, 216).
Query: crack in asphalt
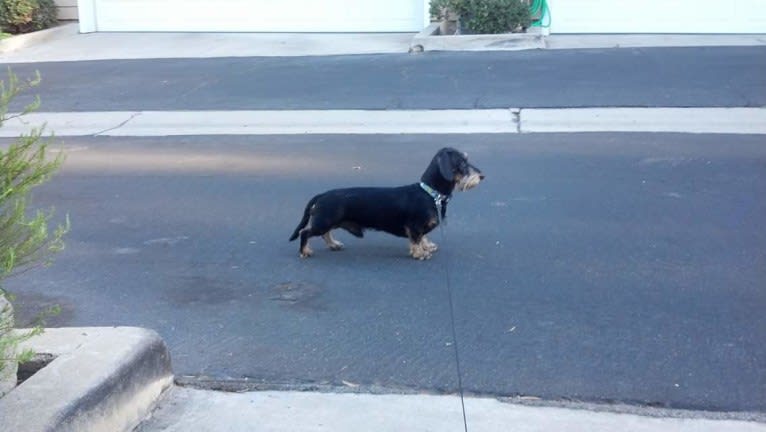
(134, 115)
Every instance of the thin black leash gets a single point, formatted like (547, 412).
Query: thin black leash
(452, 313)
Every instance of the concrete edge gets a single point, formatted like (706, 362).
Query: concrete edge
(430, 40)
(638, 409)
(191, 409)
(624, 119)
(101, 379)
(706, 120)
(266, 122)
(653, 40)
(17, 42)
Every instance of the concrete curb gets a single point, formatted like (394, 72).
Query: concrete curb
(17, 42)
(167, 123)
(102, 379)
(683, 120)
(506, 121)
(430, 40)
(605, 41)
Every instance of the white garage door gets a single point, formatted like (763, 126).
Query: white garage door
(258, 15)
(658, 16)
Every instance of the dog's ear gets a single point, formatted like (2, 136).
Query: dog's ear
(444, 161)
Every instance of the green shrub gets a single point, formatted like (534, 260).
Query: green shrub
(26, 239)
(485, 16)
(440, 9)
(23, 16)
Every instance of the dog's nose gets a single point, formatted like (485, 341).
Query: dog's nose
(481, 176)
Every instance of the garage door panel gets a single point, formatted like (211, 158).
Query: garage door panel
(658, 16)
(259, 15)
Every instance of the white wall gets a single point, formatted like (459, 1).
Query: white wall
(658, 16)
(67, 9)
(254, 15)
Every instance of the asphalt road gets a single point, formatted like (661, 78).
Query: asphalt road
(596, 267)
(640, 77)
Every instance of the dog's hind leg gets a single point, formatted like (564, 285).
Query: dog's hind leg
(332, 244)
(305, 250)
(305, 219)
(317, 226)
(305, 234)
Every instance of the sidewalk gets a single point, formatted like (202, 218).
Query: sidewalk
(65, 43)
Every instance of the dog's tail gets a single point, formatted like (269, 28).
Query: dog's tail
(305, 219)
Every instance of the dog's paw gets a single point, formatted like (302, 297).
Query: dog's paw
(423, 250)
(421, 254)
(306, 252)
(335, 246)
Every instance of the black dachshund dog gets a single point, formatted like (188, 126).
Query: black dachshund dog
(410, 211)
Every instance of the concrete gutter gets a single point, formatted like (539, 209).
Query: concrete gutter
(507, 121)
(102, 379)
(188, 409)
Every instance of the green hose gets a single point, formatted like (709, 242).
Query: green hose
(539, 8)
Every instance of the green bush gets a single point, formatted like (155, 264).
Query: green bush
(485, 16)
(23, 16)
(26, 239)
(440, 9)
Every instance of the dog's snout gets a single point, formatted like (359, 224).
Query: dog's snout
(476, 171)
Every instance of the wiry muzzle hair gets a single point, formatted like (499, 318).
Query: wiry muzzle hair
(473, 178)
(455, 168)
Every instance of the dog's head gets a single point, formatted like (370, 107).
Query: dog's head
(453, 167)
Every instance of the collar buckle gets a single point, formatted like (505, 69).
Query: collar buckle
(439, 199)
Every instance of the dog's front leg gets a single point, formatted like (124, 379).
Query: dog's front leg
(418, 249)
(418, 252)
(429, 245)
